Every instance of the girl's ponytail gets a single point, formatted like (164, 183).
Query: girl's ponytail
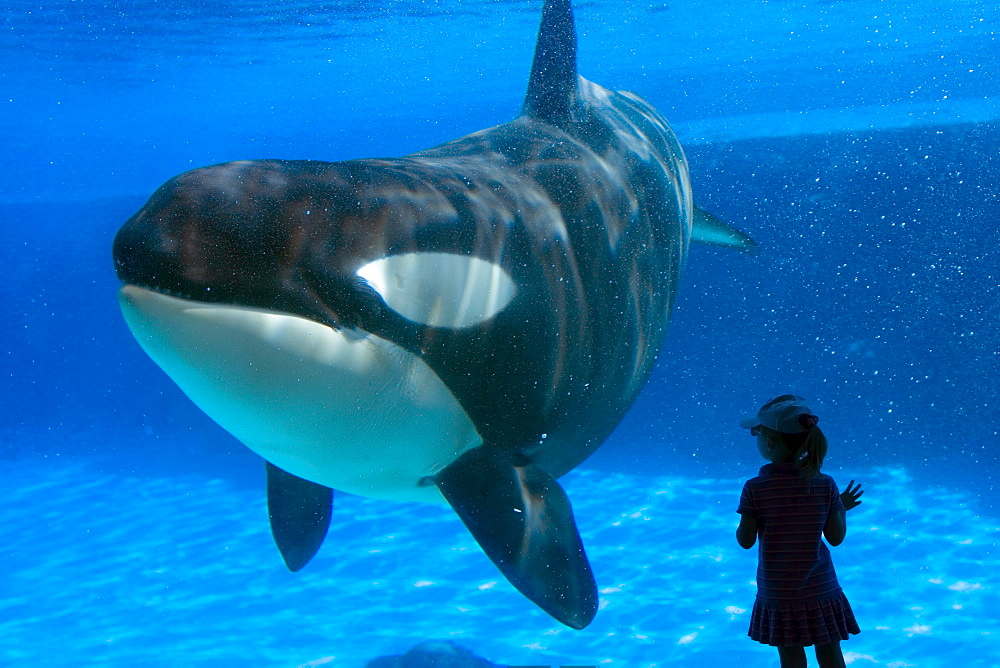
(811, 452)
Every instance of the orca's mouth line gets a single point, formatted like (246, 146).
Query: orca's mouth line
(304, 300)
(167, 291)
(315, 316)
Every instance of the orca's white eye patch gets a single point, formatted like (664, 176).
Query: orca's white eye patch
(441, 289)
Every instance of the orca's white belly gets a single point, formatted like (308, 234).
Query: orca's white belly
(343, 409)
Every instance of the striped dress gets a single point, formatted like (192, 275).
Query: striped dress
(799, 601)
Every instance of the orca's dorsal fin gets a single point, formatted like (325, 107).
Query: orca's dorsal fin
(711, 231)
(552, 88)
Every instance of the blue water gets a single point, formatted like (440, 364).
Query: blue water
(855, 141)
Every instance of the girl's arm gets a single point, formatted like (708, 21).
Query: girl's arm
(746, 532)
(836, 523)
(836, 528)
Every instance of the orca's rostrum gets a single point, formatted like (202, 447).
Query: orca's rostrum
(468, 322)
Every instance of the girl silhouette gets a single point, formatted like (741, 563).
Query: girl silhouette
(791, 505)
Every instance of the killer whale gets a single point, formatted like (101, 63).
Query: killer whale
(465, 323)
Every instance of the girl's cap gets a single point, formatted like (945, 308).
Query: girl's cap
(784, 414)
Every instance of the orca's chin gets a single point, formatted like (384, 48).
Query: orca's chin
(345, 409)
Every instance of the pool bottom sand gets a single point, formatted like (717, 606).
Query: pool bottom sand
(112, 570)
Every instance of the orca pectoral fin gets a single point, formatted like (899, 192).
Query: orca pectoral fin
(711, 231)
(522, 519)
(299, 511)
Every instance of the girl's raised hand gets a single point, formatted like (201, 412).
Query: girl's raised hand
(849, 497)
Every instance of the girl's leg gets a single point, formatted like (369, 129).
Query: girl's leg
(792, 657)
(829, 655)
